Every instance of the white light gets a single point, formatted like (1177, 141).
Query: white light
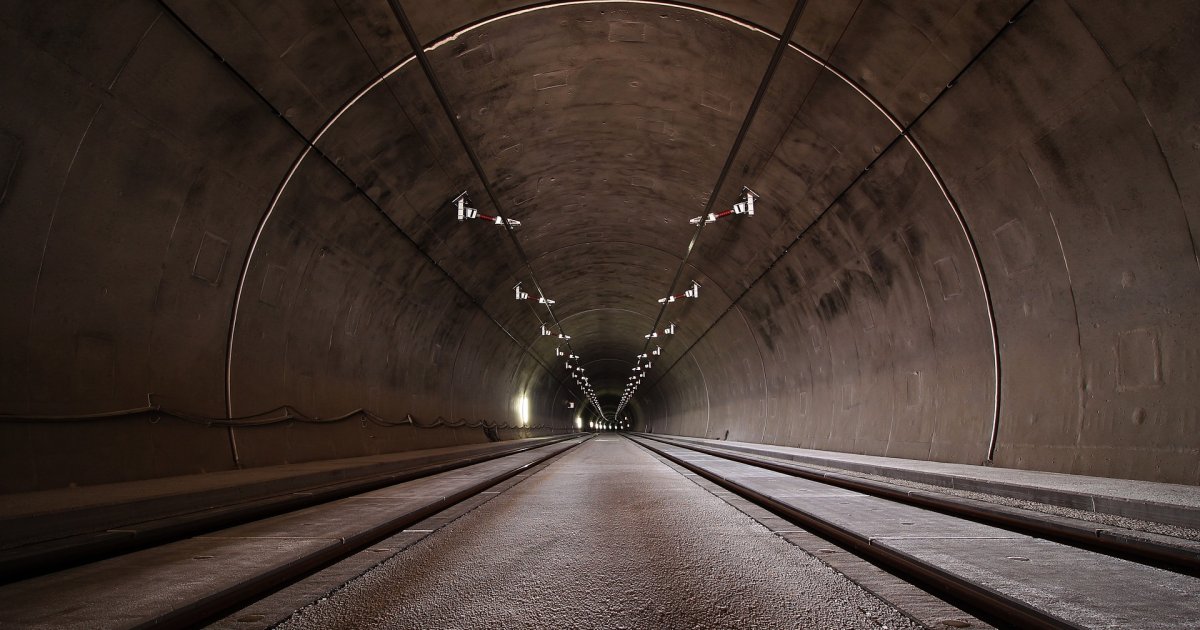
(578, 422)
(523, 410)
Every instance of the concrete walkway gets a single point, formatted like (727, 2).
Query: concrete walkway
(605, 537)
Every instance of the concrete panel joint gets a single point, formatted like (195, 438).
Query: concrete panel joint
(549, 80)
(10, 156)
(210, 259)
(272, 285)
(1016, 248)
(1139, 360)
(626, 32)
(716, 102)
(947, 273)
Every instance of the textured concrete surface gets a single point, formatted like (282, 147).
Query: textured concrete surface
(229, 206)
(605, 537)
(144, 586)
(277, 607)
(1088, 589)
(1165, 503)
(31, 516)
(920, 605)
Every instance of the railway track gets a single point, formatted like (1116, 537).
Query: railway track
(33, 546)
(195, 580)
(998, 563)
(1012, 568)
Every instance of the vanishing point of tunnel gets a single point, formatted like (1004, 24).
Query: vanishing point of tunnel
(252, 251)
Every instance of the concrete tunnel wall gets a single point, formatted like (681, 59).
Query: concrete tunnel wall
(1021, 260)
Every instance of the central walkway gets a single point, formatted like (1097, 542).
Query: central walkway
(606, 536)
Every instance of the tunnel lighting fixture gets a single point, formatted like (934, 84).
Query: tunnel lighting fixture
(653, 335)
(693, 293)
(669, 330)
(578, 422)
(546, 332)
(523, 409)
(657, 350)
(745, 206)
(521, 295)
(462, 204)
(558, 352)
(564, 337)
(570, 404)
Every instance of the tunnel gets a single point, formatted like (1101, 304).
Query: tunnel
(969, 246)
(237, 235)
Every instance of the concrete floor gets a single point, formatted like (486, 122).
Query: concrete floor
(605, 537)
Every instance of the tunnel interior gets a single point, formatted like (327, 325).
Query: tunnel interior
(228, 235)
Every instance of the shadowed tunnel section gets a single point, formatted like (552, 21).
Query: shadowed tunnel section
(975, 240)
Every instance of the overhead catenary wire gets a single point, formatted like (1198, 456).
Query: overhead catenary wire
(905, 134)
(310, 146)
(785, 40)
(452, 117)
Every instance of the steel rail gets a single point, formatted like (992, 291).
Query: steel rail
(211, 609)
(1175, 558)
(989, 603)
(56, 555)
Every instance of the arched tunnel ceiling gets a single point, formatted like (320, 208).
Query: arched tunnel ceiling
(975, 239)
(603, 127)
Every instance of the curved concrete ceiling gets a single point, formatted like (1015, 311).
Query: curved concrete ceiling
(974, 242)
